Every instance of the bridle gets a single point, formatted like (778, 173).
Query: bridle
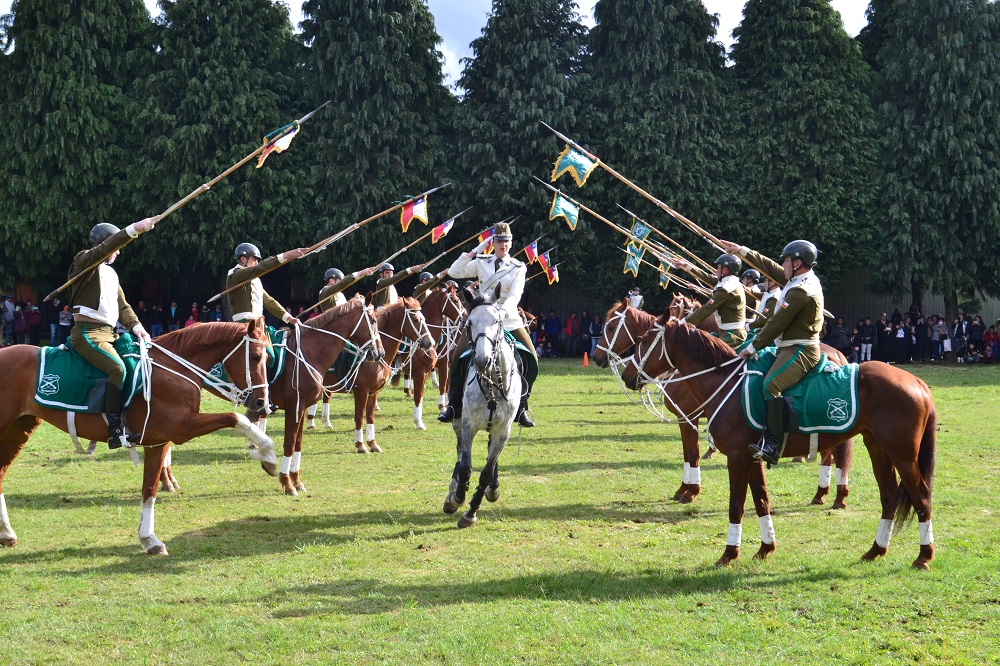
(491, 383)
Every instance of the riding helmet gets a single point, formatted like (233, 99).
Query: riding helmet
(425, 276)
(246, 250)
(333, 273)
(751, 273)
(102, 232)
(730, 261)
(386, 267)
(801, 249)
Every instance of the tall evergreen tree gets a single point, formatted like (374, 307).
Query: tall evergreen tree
(657, 111)
(225, 75)
(385, 132)
(524, 69)
(806, 131)
(936, 94)
(65, 100)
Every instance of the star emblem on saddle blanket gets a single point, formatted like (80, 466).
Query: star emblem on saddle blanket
(48, 384)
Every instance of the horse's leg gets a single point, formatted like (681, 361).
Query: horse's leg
(406, 372)
(370, 424)
(825, 473)
(296, 461)
(762, 504)
(914, 476)
(486, 477)
(189, 426)
(442, 375)
(419, 385)
(842, 454)
(459, 485)
(166, 477)
(11, 444)
(152, 467)
(885, 476)
(691, 481)
(292, 427)
(739, 466)
(492, 493)
(361, 399)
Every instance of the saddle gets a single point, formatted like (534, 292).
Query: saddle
(824, 401)
(67, 382)
(527, 364)
(276, 353)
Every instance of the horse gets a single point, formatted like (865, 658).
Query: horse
(896, 417)
(443, 312)
(178, 364)
(839, 457)
(396, 321)
(492, 396)
(313, 345)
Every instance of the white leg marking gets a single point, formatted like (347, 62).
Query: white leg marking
(884, 533)
(286, 464)
(359, 435)
(842, 478)
(168, 459)
(326, 415)
(735, 534)
(370, 431)
(311, 412)
(296, 461)
(766, 529)
(6, 531)
(695, 476)
(926, 532)
(265, 447)
(824, 476)
(685, 478)
(262, 425)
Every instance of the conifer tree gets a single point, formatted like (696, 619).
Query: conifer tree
(657, 112)
(225, 75)
(524, 69)
(806, 132)
(936, 95)
(64, 96)
(386, 129)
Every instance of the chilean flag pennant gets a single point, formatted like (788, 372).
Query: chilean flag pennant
(441, 230)
(413, 209)
(487, 235)
(543, 261)
(552, 273)
(531, 252)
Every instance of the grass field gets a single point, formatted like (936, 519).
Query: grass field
(583, 560)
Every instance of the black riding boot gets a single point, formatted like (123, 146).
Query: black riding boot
(456, 393)
(772, 442)
(522, 411)
(114, 409)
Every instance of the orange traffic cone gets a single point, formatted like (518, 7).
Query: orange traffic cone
(586, 363)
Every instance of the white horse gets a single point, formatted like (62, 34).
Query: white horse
(491, 398)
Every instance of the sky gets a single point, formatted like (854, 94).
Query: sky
(460, 21)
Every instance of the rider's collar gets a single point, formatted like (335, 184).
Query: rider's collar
(728, 280)
(801, 277)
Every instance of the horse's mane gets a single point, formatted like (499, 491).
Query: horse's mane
(201, 335)
(333, 313)
(386, 310)
(642, 316)
(699, 346)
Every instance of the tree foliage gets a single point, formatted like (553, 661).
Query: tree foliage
(936, 94)
(805, 132)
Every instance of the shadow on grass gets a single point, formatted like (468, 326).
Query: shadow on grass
(373, 596)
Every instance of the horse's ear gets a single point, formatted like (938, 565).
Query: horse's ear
(468, 295)
(368, 298)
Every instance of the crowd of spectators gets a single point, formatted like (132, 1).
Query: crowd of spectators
(911, 337)
(572, 336)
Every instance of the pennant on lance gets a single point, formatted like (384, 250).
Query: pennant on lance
(664, 275)
(576, 163)
(487, 235)
(531, 252)
(632, 260)
(543, 261)
(563, 207)
(441, 230)
(279, 146)
(414, 209)
(639, 230)
(552, 273)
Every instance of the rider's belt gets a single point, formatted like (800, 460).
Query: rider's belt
(736, 325)
(791, 343)
(81, 319)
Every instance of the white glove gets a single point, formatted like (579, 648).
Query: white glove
(141, 333)
(481, 247)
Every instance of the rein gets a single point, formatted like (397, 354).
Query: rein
(492, 383)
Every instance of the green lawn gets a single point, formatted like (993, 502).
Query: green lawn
(585, 559)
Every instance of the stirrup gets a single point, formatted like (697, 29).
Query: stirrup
(767, 450)
(523, 419)
(448, 415)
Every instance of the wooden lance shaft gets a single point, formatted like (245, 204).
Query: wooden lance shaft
(699, 260)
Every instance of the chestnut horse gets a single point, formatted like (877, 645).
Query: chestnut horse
(896, 417)
(624, 327)
(444, 313)
(396, 321)
(312, 348)
(180, 362)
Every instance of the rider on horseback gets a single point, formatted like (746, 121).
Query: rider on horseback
(765, 306)
(98, 303)
(794, 326)
(505, 275)
(728, 302)
(427, 282)
(331, 295)
(385, 290)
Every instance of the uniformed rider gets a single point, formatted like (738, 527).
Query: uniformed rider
(331, 295)
(765, 306)
(794, 326)
(728, 302)
(98, 304)
(385, 289)
(508, 285)
(249, 300)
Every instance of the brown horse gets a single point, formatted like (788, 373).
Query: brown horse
(312, 348)
(624, 327)
(180, 363)
(396, 321)
(444, 312)
(896, 418)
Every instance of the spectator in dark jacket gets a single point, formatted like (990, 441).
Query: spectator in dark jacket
(175, 316)
(553, 327)
(867, 330)
(840, 337)
(884, 339)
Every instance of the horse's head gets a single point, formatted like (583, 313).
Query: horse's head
(681, 306)
(652, 356)
(484, 327)
(452, 308)
(251, 366)
(623, 327)
(414, 326)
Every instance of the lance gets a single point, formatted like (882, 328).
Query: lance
(554, 266)
(697, 288)
(523, 249)
(205, 187)
(659, 204)
(326, 242)
(670, 240)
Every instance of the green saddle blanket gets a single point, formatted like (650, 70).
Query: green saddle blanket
(66, 381)
(275, 358)
(824, 401)
(527, 363)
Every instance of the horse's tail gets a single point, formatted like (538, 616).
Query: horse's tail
(925, 462)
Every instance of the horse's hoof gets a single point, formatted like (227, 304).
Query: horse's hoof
(676, 496)
(708, 454)
(730, 555)
(449, 506)
(291, 492)
(360, 447)
(817, 499)
(8, 542)
(300, 487)
(158, 550)
(492, 494)
(684, 499)
(765, 550)
(286, 485)
(311, 426)
(839, 504)
(374, 447)
(798, 459)
(924, 561)
(407, 393)
(841, 501)
(270, 468)
(420, 425)
(328, 424)
(467, 521)
(875, 552)
(166, 487)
